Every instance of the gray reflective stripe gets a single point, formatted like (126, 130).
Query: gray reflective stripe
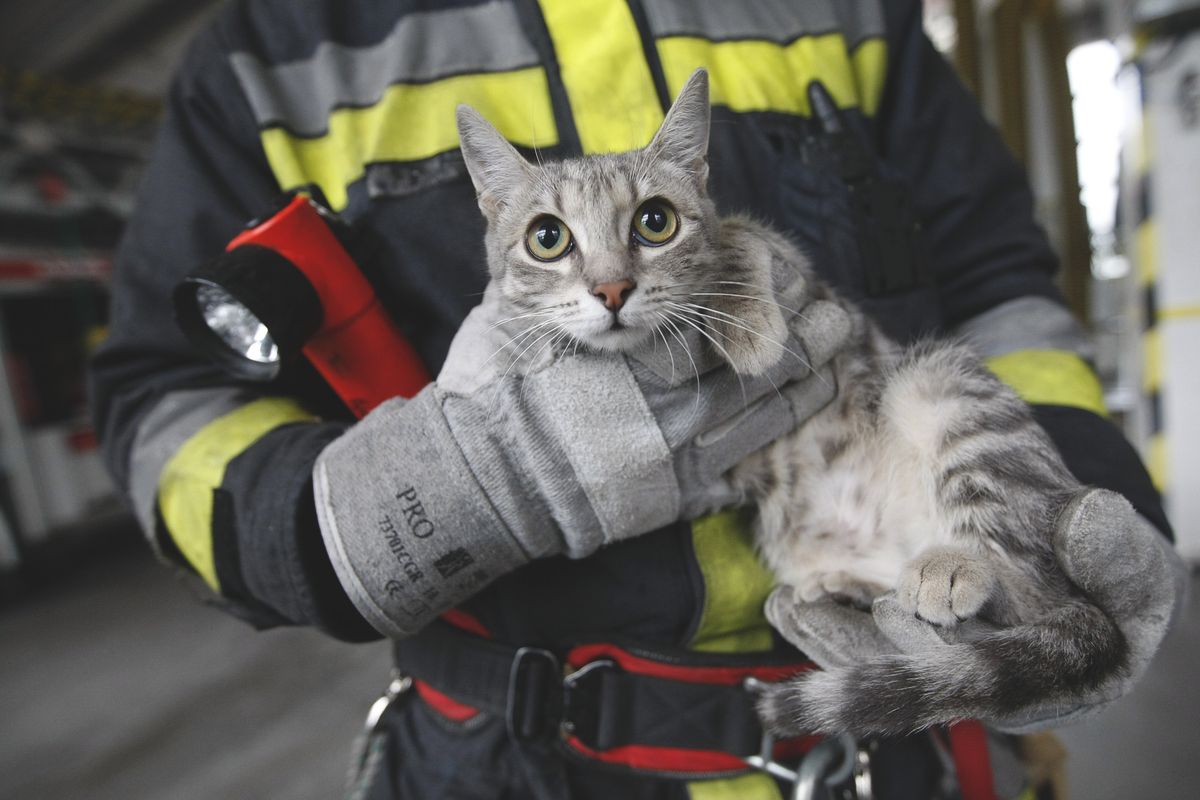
(1027, 323)
(779, 21)
(424, 46)
(175, 419)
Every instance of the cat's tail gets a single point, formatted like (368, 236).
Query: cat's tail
(1052, 663)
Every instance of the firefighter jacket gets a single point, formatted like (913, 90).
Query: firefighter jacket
(914, 208)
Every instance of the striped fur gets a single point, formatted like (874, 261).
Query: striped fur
(925, 476)
(929, 477)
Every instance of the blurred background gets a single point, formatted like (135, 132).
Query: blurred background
(116, 682)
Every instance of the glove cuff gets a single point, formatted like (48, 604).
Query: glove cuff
(409, 531)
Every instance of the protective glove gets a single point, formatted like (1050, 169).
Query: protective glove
(521, 451)
(1119, 559)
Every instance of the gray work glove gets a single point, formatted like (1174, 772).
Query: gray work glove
(1107, 549)
(520, 451)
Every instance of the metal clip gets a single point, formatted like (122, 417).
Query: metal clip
(863, 790)
(398, 685)
(765, 761)
(830, 763)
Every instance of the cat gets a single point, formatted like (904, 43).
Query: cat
(925, 475)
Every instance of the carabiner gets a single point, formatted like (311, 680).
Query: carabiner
(831, 762)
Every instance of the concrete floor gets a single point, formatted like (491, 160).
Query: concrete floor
(116, 683)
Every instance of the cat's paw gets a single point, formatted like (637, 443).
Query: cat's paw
(748, 351)
(839, 586)
(945, 586)
(750, 333)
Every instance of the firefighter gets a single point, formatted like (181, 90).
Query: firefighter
(294, 514)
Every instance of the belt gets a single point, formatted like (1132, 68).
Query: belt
(669, 712)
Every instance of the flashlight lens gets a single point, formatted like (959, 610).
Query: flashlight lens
(236, 325)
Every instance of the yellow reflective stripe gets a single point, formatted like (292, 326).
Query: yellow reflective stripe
(758, 75)
(736, 585)
(1142, 155)
(1050, 377)
(1152, 369)
(870, 72)
(411, 122)
(185, 488)
(1156, 461)
(604, 71)
(1180, 312)
(756, 786)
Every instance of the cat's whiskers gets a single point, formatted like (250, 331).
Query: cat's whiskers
(559, 336)
(519, 356)
(670, 354)
(687, 351)
(545, 311)
(690, 293)
(728, 359)
(737, 322)
(515, 341)
(533, 341)
(780, 306)
(548, 186)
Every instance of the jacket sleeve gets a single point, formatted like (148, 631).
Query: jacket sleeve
(992, 263)
(218, 473)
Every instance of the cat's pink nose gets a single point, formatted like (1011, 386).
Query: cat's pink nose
(613, 295)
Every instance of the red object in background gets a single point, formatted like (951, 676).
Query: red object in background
(358, 349)
(52, 187)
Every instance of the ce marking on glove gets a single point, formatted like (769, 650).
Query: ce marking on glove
(413, 609)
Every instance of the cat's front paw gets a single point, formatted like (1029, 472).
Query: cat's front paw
(748, 351)
(945, 586)
(749, 332)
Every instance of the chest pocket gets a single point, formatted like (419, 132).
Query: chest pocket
(764, 60)
(857, 217)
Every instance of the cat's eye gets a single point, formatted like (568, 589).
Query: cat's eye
(655, 223)
(548, 239)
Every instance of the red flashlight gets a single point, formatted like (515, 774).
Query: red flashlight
(286, 285)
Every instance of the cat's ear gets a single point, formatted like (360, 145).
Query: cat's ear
(683, 137)
(495, 166)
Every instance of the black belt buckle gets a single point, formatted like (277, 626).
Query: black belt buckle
(533, 708)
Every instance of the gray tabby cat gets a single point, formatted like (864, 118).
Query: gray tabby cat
(926, 475)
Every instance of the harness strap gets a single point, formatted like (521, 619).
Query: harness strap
(673, 713)
(670, 713)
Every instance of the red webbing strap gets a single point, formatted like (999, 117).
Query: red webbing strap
(665, 759)
(640, 756)
(640, 665)
(677, 759)
(445, 705)
(968, 745)
(466, 622)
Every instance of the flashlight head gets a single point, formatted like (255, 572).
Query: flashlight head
(250, 310)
